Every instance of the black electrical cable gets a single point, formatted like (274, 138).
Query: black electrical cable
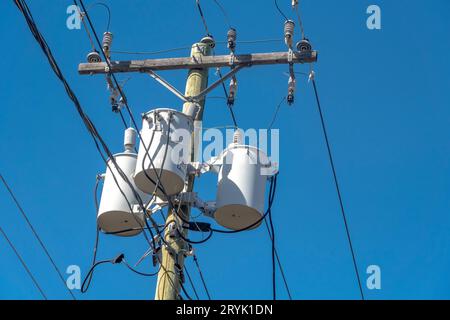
(30, 274)
(280, 265)
(202, 16)
(224, 12)
(277, 109)
(124, 98)
(139, 272)
(341, 203)
(185, 292)
(201, 276)
(21, 4)
(230, 107)
(36, 235)
(274, 287)
(87, 280)
(279, 10)
(107, 10)
(93, 264)
(195, 242)
(191, 282)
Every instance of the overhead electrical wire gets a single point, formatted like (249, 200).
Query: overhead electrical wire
(125, 101)
(191, 282)
(201, 276)
(202, 16)
(97, 139)
(300, 22)
(280, 266)
(272, 238)
(224, 12)
(94, 133)
(242, 42)
(36, 235)
(108, 11)
(22, 261)
(336, 183)
(279, 10)
(274, 117)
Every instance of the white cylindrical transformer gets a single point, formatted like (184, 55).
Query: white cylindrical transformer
(241, 187)
(114, 214)
(168, 147)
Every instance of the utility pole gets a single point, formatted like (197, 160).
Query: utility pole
(172, 261)
(170, 276)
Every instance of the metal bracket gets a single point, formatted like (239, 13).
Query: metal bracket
(290, 55)
(197, 98)
(191, 198)
(168, 86)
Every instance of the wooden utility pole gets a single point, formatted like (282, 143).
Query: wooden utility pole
(170, 276)
(172, 261)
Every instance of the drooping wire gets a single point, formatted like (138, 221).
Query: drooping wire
(36, 235)
(279, 10)
(274, 285)
(336, 183)
(96, 137)
(224, 12)
(107, 10)
(230, 108)
(191, 282)
(201, 276)
(22, 261)
(280, 265)
(202, 16)
(274, 117)
(300, 22)
(140, 272)
(242, 42)
(125, 101)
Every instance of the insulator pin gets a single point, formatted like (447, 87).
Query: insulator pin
(94, 57)
(304, 46)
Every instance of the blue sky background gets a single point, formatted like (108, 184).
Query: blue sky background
(386, 100)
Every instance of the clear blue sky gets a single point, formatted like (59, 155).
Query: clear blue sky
(386, 100)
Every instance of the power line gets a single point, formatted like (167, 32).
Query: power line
(201, 276)
(191, 282)
(280, 266)
(23, 264)
(299, 18)
(158, 184)
(224, 12)
(279, 10)
(242, 42)
(36, 235)
(96, 137)
(330, 156)
(202, 16)
(125, 101)
(277, 109)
